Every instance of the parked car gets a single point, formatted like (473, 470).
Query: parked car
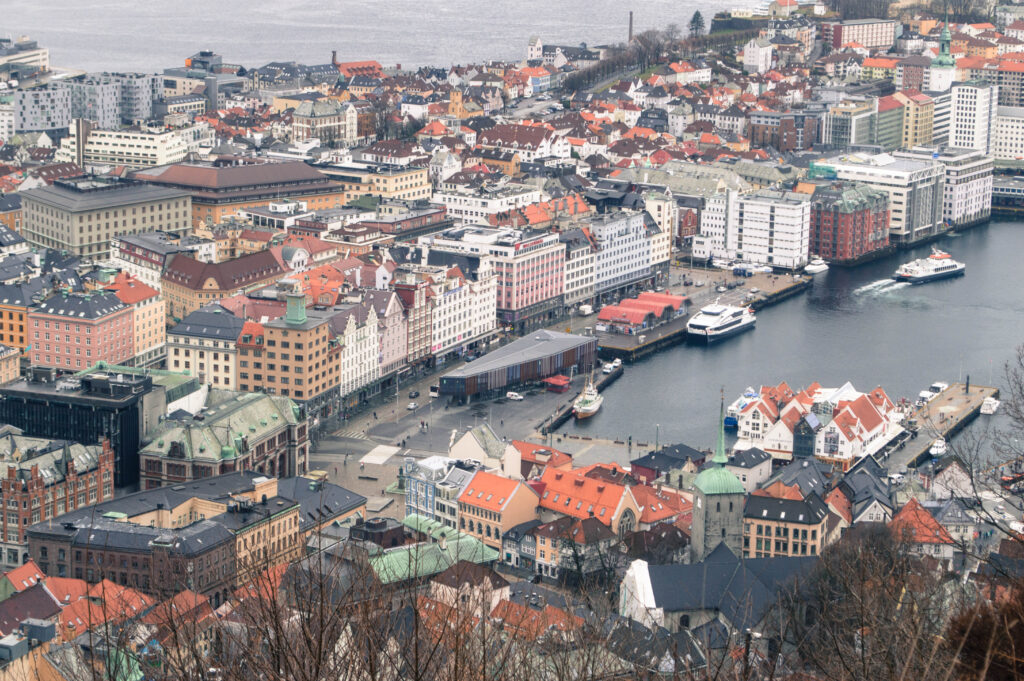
(514, 396)
(411, 406)
(413, 394)
(470, 358)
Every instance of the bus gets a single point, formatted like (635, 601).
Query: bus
(435, 391)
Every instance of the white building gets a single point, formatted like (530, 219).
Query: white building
(1008, 133)
(973, 115)
(915, 189)
(623, 243)
(580, 259)
(967, 193)
(767, 227)
(475, 205)
(463, 309)
(757, 55)
(358, 332)
(132, 147)
(941, 115)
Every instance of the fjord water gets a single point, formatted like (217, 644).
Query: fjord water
(853, 325)
(109, 35)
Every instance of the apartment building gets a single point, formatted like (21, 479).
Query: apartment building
(784, 527)
(580, 259)
(145, 255)
(530, 269)
(82, 215)
(848, 221)
(469, 205)
(72, 331)
(967, 188)
(204, 344)
(1007, 134)
(43, 479)
(493, 504)
(188, 284)
(131, 147)
(915, 189)
(330, 121)
(414, 292)
(767, 227)
(149, 318)
(873, 34)
(973, 114)
(626, 246)
(387, 181)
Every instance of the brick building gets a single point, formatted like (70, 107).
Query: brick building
(74, 331)
(783, 130)
(848, 221)
(207, 537)
(149, 318)
(43, 479)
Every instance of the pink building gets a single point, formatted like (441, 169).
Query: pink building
(530, 267)
(73, 331)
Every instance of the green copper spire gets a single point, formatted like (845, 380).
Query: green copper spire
(945, 58)
(719, 456)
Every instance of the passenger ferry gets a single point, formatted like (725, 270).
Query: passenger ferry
(938, 265)
(816, 266)
(716, 322)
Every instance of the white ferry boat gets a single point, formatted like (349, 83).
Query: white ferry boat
(816, 266)
(938, 265)
(588, 402)
(716, 322)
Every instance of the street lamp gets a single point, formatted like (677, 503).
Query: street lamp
(657, 436)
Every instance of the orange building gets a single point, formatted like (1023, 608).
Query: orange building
(10, 211)
(219, 189)
(493, 504)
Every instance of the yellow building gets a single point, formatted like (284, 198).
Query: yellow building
(918, 118)
(149, 318)
(389, 182)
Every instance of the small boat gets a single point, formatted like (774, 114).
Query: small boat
(938, 265)
(990, 406)
(715, 322)
(588, 402)
(733, 411)
(938, 447)
(816, 266)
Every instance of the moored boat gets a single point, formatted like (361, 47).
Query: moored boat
(588, 402)
(990, 405)
(816, 266)
(716, 322)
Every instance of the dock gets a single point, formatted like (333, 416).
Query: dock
(943, 416)
(771, 289)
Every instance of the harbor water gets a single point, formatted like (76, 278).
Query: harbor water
(151, 36)
(853, 325)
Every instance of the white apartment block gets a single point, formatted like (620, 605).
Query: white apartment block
(757, 55)
(973, 116)
(580, 259)
(915, 189)
(967, 190)
(131, 147)
(1007, 133)
(768, 227)
(463, 310)
(623, 249)
(360, 365)
(476, 205)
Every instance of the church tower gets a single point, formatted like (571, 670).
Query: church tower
(718, 497)
(942, 72)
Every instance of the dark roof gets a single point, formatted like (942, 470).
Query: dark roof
(210, 321)
(749, 458)
(668, 457)
(249, 269)
(21, 294)
(8, 237)
(466, 572)
(34, 602)
(318, 501)
(810, 475)
(93, 305)
(810, 511)
(91, 193)
(10, 202)
(741, 590)
(245, 172)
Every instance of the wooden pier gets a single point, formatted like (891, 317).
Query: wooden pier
(944, 416)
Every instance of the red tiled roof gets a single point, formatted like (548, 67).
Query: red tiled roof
(67, 590)
(914, 524)
(531, 623)
(657, 506)
(541, 454)
(24, 576)
(130, 290)
(574, 494)
(489, 491)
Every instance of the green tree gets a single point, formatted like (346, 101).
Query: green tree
(697, 23)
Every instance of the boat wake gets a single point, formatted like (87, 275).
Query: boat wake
(880, 287)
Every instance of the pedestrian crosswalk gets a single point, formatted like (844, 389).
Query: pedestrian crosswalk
(354, 434)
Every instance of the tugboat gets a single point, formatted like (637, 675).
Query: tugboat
(938, 265)
(588, 402)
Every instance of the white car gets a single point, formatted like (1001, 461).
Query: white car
(411, 406)
(514, 396)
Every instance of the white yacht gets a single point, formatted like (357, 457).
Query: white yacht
(816, 266)
(990, 406)
(938, 265)
(715, 322)
(938, 447)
